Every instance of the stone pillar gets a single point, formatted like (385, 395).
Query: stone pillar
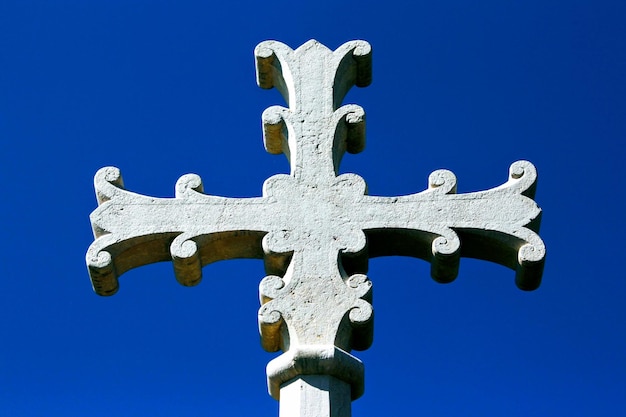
(315, 396)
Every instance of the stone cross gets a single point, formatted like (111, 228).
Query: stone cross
(315, 229)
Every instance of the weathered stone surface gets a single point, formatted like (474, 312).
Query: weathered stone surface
(315, 229)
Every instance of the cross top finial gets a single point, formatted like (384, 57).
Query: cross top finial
(314, 80)
(315, 229)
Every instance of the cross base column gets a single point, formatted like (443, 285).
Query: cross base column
(315, 381)
(315, 396)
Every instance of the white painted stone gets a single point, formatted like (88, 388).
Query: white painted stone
(315, 229)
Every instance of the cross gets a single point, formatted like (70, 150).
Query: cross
(315, 229)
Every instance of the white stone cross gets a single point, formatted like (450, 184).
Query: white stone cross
(315, 229)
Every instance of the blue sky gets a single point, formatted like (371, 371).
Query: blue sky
(163, 88)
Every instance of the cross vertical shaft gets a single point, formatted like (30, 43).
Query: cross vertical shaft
(315, 229)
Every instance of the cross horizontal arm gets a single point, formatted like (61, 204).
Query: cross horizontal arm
(439, 226)
(192, 230)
